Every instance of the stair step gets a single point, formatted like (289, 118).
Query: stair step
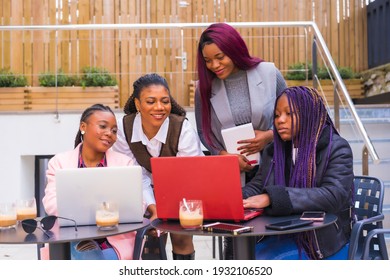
(381, 170)
(381, 147)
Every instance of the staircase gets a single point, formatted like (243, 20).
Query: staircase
(376, 120)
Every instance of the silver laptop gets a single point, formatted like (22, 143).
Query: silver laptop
(79, 190)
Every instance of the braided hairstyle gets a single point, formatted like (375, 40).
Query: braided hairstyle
(144, 82)
(85, 116)
(309, 114)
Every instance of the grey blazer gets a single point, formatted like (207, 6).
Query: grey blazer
(262, 91)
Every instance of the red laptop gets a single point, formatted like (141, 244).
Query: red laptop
(213, 179)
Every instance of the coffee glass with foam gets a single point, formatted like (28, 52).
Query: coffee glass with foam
(107, 215)
(191, 214)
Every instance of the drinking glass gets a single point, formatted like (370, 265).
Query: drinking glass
(191, 214)
(26, 209)
(107, 215)
(7, 215)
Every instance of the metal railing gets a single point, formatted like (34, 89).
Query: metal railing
(307, 25)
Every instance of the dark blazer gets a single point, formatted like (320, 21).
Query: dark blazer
(333, 193)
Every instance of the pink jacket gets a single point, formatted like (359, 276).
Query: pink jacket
(122, 243)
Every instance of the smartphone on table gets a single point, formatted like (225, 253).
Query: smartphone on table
(219, 227)
(316, 216)
(290, 224)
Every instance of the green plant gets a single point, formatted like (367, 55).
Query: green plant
(90, 77)
(10, 79)
(96, 77)
(59, 80)
(298, 71)
(347, 73)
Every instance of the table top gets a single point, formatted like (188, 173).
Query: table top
(63, 234)
(257, 223)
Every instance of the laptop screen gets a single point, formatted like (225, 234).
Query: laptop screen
(79, 190)
(213, 179)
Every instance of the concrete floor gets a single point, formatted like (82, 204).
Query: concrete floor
(203, 249)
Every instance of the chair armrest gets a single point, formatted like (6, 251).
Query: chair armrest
(139, 237)
(356, 231)
(370, 235)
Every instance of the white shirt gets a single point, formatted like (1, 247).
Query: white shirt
(189, 145)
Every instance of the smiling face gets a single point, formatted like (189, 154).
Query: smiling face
(283, 119)
(218, 62)
(100, 131)
(154, 105)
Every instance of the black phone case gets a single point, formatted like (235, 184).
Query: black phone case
(290, 224)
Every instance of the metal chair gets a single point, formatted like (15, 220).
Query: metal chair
(220, 251)
(369, 193)
(139, 242)
(367, 255)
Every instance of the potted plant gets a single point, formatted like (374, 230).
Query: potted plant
(13, 91)
(71, 92)
(296, 76)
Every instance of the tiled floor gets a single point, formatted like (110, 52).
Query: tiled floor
(203, 249)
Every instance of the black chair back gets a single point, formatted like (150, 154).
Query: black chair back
(369, 194)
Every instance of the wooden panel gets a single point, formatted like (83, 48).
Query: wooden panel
(1, 36)
(64, 40)
(74, 55)
(13, 99)
(130, 54)
(341, 35)
(53, 44)
(109, 38)
(6, 20)
(27, 43)
(41, 98)
(352, 37)
(64, 107)
(38, 44)
(354, 87)
(17, 37)
(84, 35)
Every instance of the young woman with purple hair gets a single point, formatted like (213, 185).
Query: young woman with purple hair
(308, 167)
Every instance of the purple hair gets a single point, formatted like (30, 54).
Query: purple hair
(230, 42)
(311, 117)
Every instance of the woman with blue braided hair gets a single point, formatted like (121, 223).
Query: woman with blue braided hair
(308, 167)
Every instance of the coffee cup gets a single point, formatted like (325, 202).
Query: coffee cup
(191, 214)
(107, 215)
(26, 209)
(7, 215)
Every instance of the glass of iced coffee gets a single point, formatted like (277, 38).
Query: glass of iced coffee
(7, 215)
(191, 214)
(107, 215)
(26, 209)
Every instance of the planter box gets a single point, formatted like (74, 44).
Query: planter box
(354, 87)
(61, 98)
(13, 99)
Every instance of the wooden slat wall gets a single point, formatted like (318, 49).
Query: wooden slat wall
(129, 54)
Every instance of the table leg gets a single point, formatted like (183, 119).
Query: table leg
(59, 251)
(244, 247)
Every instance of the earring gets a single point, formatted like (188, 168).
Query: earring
(82, 132)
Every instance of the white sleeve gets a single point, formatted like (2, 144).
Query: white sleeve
(122, 146)
(147, 188)
(189, 143)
